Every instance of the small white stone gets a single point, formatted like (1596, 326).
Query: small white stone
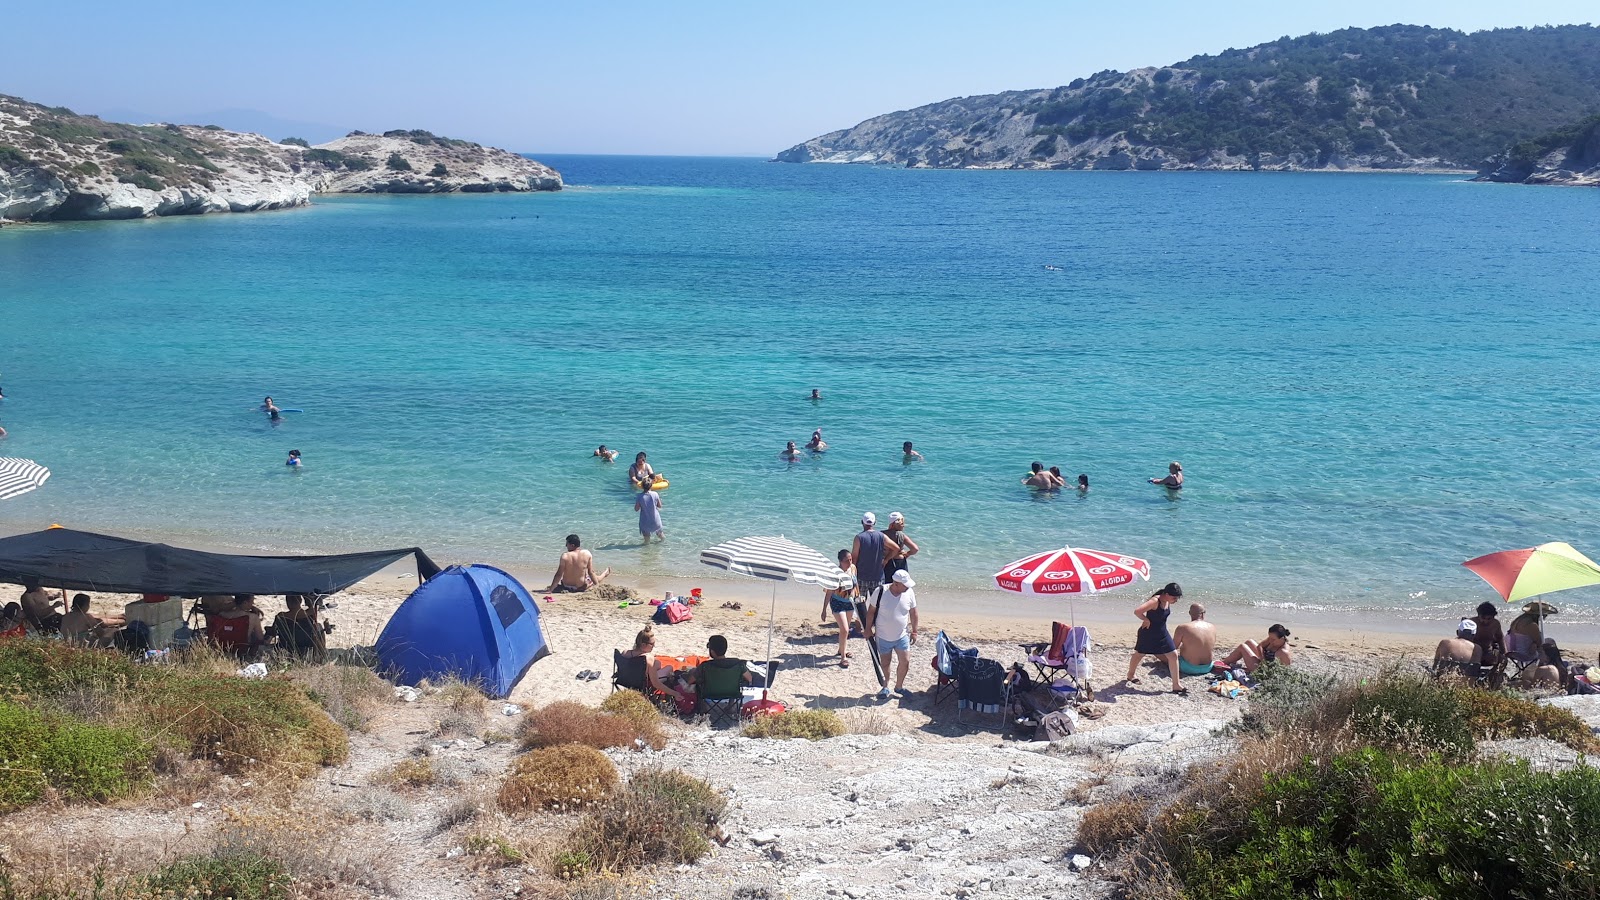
(763, 838)
(1080, 862)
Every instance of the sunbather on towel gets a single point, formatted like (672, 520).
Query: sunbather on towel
(1250, 655)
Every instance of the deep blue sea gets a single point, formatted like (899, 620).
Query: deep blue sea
(1368, 379)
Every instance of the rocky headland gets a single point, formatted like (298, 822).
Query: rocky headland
(1397, 98)
(56, 165)
(1566, 156)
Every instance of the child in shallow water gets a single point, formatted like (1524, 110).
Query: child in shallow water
(294, 459)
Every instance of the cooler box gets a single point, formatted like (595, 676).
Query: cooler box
(164, 619)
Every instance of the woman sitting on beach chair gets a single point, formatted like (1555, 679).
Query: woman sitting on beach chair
(653, 684)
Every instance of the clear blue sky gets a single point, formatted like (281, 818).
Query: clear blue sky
(736, 78)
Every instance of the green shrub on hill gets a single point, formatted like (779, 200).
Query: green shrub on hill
(296, 142)
(811, 724)
(228, 873)
(79, 761)
(397, 163)
(662, 816)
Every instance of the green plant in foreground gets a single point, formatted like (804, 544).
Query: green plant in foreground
(240, 875)
(811, 724)
(80, 761)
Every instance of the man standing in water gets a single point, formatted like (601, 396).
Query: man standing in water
(575, 571)
(911, 455)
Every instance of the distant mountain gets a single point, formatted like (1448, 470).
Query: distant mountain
(1569, 155)
(252, 121)
(1396, 97)
(56, 164)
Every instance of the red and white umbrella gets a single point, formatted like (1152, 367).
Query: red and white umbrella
(1070, 571)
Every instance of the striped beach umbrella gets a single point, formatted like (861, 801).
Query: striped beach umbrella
(775, 559)
(19, 476)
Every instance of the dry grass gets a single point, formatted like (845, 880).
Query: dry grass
(636, 708)
(417, 772)
(866, 720)
(455, 723)
(566, 722)
(461, 696)
(1107, 827)
(811, 724)
(350, 694)
(564, 778)
(662, 817)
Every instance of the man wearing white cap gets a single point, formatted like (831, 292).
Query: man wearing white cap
(893, 621)
(1459, 652)
(869, 550)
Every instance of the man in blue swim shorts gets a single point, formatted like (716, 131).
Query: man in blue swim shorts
(1196, 641)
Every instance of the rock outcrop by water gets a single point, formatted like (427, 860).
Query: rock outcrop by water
(1400, 97)
(57, 165)
(1567, 156)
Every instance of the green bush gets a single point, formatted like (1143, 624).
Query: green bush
(239, 875)
(663, 816)
(811, 724)
(397, 163)
(438, 171)
(240, 723)
(1376, 824)
(140, 179)
(11, 156)
(296, 142)
(80, 761)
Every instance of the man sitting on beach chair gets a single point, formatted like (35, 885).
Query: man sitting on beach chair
(1461, 654)
(721, 680)
(236, 629)
(297, 630)
(39, 608)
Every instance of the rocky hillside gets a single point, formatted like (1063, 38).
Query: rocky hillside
(1569, 155)
(1397, 97)
(58, 165)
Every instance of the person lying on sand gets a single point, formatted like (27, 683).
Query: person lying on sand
(1250, 655)
(575, 571)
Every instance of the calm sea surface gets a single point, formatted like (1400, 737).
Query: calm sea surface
(1367, 378)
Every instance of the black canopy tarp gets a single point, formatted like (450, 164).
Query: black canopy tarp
(82, 561)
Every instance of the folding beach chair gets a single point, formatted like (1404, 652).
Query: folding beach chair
(1521, 653)
(1064, 658)
(980, 685)
(629, 672)
(721, 683)
(944, 654)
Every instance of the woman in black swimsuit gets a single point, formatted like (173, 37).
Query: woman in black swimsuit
(1154, 639)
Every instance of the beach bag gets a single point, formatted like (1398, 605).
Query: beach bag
(672, 613)
(1059, 724)
(1078, 667)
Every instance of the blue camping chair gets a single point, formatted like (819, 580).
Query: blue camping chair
(981, 685)
(944, 655)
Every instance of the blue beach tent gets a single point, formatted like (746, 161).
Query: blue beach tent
(474, 622)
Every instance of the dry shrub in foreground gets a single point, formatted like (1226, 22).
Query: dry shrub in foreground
(417, 772)
(866, 720)
(461, 696)
(350, 694)
(1107, 826)
(567, 777)
(636, 708)
(566, 722)
(241, 723)
(662, 816)
(811, 724)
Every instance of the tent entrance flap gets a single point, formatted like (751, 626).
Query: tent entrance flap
(84, 561)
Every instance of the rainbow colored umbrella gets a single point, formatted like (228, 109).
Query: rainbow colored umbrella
(1520, 574)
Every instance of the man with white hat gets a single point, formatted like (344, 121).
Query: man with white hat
(893, 623)
(870, 550)
(1459, 653)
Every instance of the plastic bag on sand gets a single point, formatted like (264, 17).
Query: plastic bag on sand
(407, 694)
(254, 670)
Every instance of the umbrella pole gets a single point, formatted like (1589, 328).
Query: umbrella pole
(772, 619)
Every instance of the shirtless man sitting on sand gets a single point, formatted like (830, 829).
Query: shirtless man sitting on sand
(575, 571)
(1196, 641)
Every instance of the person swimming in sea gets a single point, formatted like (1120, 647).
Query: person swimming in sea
(273, 412)
(1041, 479)
(294, 459)
(817, 444)
(607, 455)
(1083, 484)
(790, 452)
(815, 394)
(1174, 479)
(911, 455)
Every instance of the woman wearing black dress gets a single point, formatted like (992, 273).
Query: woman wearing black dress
(1154, 639)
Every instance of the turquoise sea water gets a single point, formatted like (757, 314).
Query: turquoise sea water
(1367, 378)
